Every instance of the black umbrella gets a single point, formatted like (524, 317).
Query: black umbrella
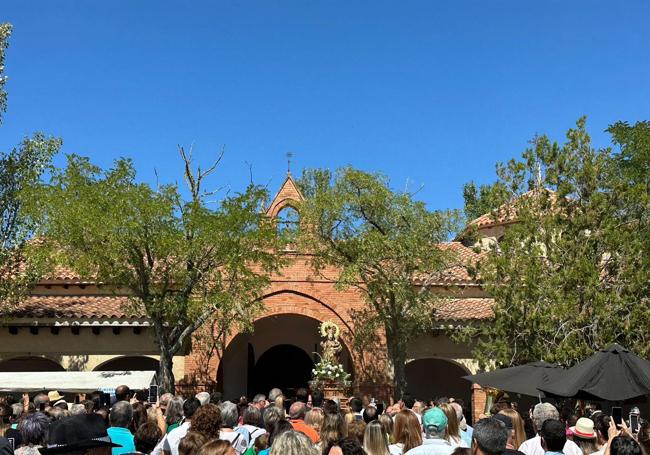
(612, 374)
(524, 379)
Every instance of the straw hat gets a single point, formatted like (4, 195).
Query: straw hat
(584, 428)
(54, 396)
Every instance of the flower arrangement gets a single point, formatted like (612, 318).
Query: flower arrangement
(325, 372)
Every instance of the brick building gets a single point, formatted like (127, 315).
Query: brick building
(69, 323)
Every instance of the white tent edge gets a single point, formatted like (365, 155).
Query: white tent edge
(75, 381)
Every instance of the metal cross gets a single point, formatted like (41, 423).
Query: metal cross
(289, 156)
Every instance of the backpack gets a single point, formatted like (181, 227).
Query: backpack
(245, 434)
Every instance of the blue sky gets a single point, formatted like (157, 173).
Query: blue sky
(428, 92)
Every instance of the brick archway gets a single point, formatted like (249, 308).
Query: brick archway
(291, 302)
(240, 365)
(278, 302)
(311, 305)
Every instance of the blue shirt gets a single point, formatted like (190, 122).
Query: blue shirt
(123, 437)
(470, 432)
(466, 437)
(432, 447)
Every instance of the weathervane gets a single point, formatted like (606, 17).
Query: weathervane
(289, 156)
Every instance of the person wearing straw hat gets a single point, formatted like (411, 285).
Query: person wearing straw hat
(585, 435)
(53, 397)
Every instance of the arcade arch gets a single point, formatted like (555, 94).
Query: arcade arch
(129, 363)
(431, 378)
(29, 364)
(280, 352)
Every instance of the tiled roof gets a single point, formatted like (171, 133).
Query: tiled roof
(464, 309)
(458, 272)
(61, 273)
(506, 213)
(115, 306)
(109, 307)
(78, 306)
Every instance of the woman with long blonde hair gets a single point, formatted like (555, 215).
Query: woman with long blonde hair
(387, 425)
(407, 432)
(374, 439)
(333, 429)
(517, 426)
(293, 443)
(453, 430)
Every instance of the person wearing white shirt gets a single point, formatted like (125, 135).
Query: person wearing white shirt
(533, 446)
(251, 419)
(169, 443)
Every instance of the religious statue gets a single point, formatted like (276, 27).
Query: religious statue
(331, 344)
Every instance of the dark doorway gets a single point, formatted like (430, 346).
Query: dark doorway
(30, 364)
(129, 363)
(433, 378)
(285, 366)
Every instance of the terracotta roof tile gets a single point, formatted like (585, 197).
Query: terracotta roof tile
(61, 273)
(112, 306)
(66, 306)
(458, 271)
(39, 306)
(464, 309)
(506, 213)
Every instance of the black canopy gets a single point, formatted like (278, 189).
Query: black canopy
(523, 379)
(612, 374)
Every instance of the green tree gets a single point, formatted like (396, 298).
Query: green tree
(484, 199)
(20, 171)
(184, 261)
(380, 241)
(570, 275)
(5, 32)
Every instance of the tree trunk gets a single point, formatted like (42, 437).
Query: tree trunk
(397, 353)
(166, 381)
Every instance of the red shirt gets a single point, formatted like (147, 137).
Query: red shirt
(299, 425)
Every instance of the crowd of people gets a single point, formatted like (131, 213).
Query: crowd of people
(205, 424)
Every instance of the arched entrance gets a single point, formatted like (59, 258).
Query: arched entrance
(280, 352)
(285, 366)
(29, 364)
(129, 363)
(433, 378)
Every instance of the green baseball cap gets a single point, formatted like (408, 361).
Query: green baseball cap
(435, 418)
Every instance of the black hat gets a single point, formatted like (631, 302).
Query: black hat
(79, 432)
(507, 421)
(5, 447)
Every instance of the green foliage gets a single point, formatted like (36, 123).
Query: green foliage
(571, 275)
(20, 172)
(5, 32)
(185, 262)
(482, 200)
(379, 240)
